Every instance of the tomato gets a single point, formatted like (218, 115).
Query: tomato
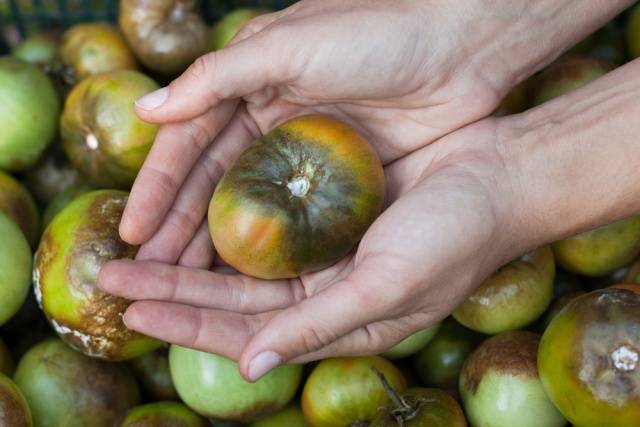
(566, 75)
(635, 287)
(557, 306)
(152, 371)
(296, 200)
(423, 407)
(291, 416)
(78, 241)
(500, 386)
(29, 113)
(102, 135)
(347, 391)
(16, 202)
(51, 175)
(440, 362)
(14, 410)
(513, 297)
(6, 361)
(94, 48)
(38, 49)
(163, 414)
(412, 344)
(225, 29)
(633, 33)
(633, 274)
(15, 268)
(601, 251)
(61, 200)
(589, 359)
(212, 386)
(166, 35)
(65, 388)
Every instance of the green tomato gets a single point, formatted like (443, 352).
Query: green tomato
(16, 202)
(225, 29)
(65, 388)
(15, 268)
(163, 414)
(212, 386)
(152, 371)
(633, 33)
(291, 416)
(14, 411)
(29, 112)
(38, 49)
(412, 344)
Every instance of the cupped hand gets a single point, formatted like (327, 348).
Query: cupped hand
(403, 72)
(452, 220)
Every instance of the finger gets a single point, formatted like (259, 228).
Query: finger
(175, 150)
(247, 66)
(318, 321)
(190, 204)
(202, 288)
(220, 332)
(200, 252)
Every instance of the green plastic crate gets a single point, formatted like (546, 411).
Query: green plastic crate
(19, 18)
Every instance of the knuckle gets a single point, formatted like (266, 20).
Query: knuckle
(314, 337)
(201, 67)
(198, 134)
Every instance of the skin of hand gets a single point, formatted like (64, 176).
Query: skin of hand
(454, 213)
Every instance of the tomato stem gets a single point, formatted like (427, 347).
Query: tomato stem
(403, 411)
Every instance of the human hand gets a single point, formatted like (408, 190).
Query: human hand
(451, 222)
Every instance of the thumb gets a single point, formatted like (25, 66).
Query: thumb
(257, 62)
(315, 323)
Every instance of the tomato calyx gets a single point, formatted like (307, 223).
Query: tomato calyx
(403, 409)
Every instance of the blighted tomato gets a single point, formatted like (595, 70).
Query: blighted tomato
(167, 35)
(566, 75)
(61, 200)
(291, 416)
(500, 386)
(101, 133)
(15, 267)
(14, 410)
(78, 241)
(51, 174)
(440, 362)
(16, 202)
(152, 371)
(6, 360)
(94, 48)
(557, 306)
(296, 200)
(635, 287)
(29, 113)
(65, 388)
(513, 297)
(163, 414)
(589, 359)
(348, 392)
(412, 344)
(225, 29)
(212, 386)
(601, 251)
(422, 407)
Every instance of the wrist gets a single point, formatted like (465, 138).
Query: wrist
(573, 161)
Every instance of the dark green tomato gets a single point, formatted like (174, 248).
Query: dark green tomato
(152, 371)
(600, 251)
(61, 200)
(65, 388)
(6, 361)
(557, 306)
(212, 386)
(422, 407)
(39, 49)
(412, 344)
(163, 414)
(52, 174)
(16, 202)
(73, 248)
(633, 33)
(291, 416)
(296, 200)
(589, 359)
(14, 410)
(226, 28)
(15, 268)
(440, 362)
(347, 391)
(566, 75)
(500, 387)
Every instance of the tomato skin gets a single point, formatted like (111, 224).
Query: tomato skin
(163, 414)
(634, 287)
(589, 359)
(291, 416)
(342, 391)
(297, 200)
(14, 410)
(438, 409)
(413, 343)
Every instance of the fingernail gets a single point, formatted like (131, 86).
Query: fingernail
(153, 100)
(262, 364)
